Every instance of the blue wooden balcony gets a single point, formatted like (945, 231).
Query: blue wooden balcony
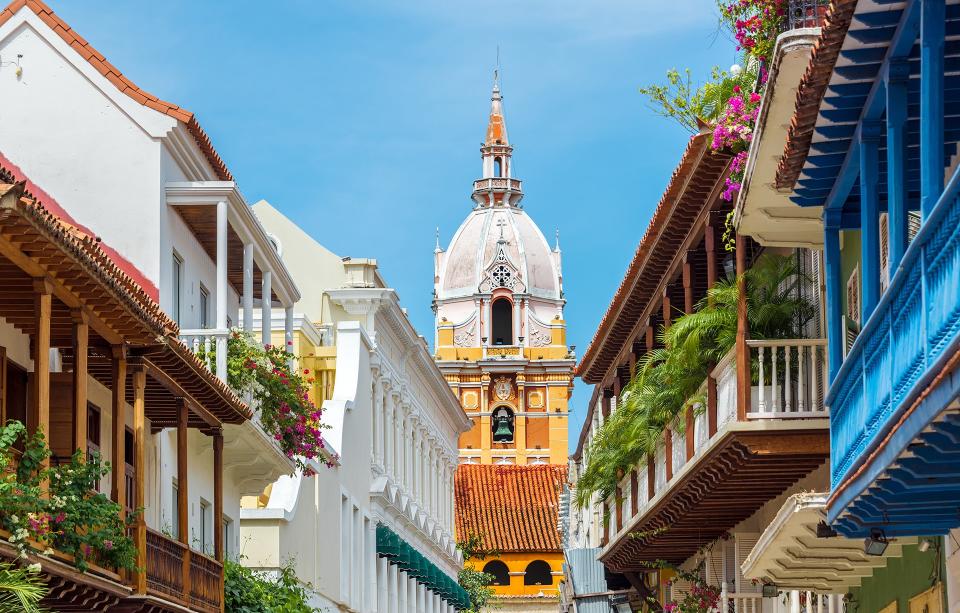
(884, 141)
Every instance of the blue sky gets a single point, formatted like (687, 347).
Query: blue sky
(362, 119)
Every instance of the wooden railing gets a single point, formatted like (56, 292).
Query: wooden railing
(171, 566)
(206, 581)
(210, 346)
(165, 564)
(908, 337)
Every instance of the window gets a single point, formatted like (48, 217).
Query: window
(175, 523)
(227, 532)
(500, 572)
(537, 573)
(502, 276)
(502, 315)
(497, 167)
(206, 527)
(204, 307)
(129, 470)
(176, 285)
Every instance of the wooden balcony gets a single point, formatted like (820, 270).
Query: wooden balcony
(719, 463)
(894, 416)
(176, 572)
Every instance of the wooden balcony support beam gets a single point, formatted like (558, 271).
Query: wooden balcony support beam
(38, 418)
(119, 419)
(743, 332)
(81, 351)
(183, 490)
(139, 381)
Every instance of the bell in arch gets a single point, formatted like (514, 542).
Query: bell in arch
(502, 426)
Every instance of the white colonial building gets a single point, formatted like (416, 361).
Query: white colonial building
(374, 532)
(141, 175)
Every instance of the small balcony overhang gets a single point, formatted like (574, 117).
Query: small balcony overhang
(764, 212)
(790, 555)
(196, 202)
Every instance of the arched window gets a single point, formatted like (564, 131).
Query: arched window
(502, 322)
(497, 167)
(499, 570)
(537, 573)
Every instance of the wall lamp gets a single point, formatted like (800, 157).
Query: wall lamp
(876, 543)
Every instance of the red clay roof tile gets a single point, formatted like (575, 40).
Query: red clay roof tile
(121, 82)
(514, 508)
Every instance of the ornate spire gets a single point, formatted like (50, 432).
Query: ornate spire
(497, 127)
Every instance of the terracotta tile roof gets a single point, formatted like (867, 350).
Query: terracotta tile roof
(697, 165)
(125, 85)
(86, 252)
(514, 508)
(813, 85)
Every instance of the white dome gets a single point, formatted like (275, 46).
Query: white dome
(474, 263)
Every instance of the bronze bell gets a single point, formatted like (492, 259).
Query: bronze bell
(503, 433)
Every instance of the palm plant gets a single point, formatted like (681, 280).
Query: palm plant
(668, 379)
(21, 589)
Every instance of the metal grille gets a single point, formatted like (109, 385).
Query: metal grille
(804, 14)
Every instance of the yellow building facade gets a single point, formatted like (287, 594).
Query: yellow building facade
(501, 344)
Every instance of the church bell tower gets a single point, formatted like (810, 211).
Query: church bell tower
(500, 330)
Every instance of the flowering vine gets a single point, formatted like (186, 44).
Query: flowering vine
(72, 517)
(734, 133)
(281, 392)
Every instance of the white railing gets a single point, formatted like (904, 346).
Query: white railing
(679, 443)
(642, 498)
(740, 603)
(793, 601)
(210, 346)
(725, 374)
(791, 380)
(701, 429)
(660, 467)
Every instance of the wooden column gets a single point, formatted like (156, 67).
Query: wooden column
(648, 339)
(81, 346)
(651, 477)
(668, 451)
(666, 310)
(687, 288)
(618, 500)
(139, 380)
(38, 418)
(709, 241)
(632, 360)
(691, 447)
(605, 518)
(711, 406)
(898, 77)
(869, 218)
(119, 382)
(743, 352)
(634, 495)
(183, 490)
(218, 494)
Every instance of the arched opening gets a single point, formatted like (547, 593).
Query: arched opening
(502, 315)
(497, 167)
(502, 425)
(500, 572)
(537, 573)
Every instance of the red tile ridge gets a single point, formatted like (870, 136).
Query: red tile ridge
(121, 82)
(696, 149)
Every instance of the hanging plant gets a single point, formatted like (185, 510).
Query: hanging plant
(281, 392)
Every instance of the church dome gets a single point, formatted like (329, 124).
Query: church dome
(499, 246)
